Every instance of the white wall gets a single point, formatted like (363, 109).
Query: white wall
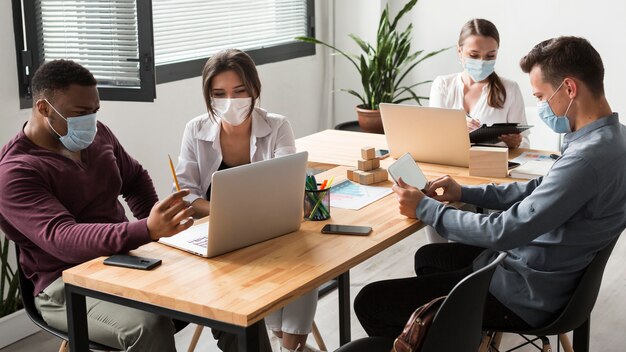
(361, 18)
(149, 131)
(522, 24)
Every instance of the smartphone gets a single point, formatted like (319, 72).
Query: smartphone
(513, 164)
(347, 229)
(382, 153)
(133, 262)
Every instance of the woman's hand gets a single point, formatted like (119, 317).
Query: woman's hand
(512, 140)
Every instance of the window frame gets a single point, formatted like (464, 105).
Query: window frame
(31, 59)
(150, 75)
(193, 68)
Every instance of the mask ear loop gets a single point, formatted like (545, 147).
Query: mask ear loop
(48, 119)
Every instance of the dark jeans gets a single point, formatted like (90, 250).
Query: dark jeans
(384, 307)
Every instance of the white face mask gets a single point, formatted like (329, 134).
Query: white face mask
(233, 111)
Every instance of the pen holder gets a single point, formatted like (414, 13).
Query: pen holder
(317, 204)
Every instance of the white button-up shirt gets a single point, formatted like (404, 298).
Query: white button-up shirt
(201, 151)
(447, 92)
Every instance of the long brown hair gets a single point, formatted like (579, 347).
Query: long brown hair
(484, 28)
(231, 60)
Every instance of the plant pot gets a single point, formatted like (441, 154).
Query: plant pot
(16, 326)
(369, 120)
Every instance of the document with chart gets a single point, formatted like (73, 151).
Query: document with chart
(350, 195)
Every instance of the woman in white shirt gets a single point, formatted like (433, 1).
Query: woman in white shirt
(485, 97)
(236, 132)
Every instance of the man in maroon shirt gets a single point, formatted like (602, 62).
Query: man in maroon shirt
(60, 179)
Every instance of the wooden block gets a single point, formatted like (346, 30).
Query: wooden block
(365, 165)
(489, 161)
(380, 175)
(375, 163)
(364, 177)
(351, 174)
(368, 153)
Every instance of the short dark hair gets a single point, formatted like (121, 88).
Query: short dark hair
(58, 75)
(561, 57)
(231, 60)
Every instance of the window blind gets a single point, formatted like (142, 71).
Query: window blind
(185, 30)
(100, 35)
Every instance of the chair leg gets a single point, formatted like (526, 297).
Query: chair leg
(63, 347)
(567, 345)
(490, 342)
(318, 337)
(195, 338)
(546, 347)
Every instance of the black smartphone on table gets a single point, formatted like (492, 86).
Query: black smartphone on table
(133, 262)
(347, 229)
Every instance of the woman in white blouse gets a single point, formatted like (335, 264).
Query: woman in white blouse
(485, 97)
(236, 132)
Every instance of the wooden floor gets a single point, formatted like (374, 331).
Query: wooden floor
(607, 323)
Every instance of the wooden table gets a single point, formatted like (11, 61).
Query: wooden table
(333, 147)
(234, 291)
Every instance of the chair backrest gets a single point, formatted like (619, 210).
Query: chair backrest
(579, 307)
(458, 323)
(28, 300)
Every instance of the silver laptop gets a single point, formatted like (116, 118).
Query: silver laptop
(431, 135)
(249, 204)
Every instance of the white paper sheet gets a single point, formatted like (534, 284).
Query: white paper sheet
(350, 195)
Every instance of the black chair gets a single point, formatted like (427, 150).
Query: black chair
(457, 326)
(27, 289)
(575, 316)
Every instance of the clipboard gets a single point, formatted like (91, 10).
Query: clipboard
(490, 134)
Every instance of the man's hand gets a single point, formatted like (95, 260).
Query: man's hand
(451, 189)
(512, 140)
(408, 197)
(166, 216)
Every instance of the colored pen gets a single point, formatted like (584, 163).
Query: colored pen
(174, 173)
(323, 186)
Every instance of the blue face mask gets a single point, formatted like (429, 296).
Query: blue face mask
(81, 130)
(559, 124)
(479, 69)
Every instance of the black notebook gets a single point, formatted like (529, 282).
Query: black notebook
(490, 134)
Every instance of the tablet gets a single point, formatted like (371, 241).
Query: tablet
(406, 168)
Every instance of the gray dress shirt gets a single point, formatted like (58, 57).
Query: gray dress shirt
(551, 227)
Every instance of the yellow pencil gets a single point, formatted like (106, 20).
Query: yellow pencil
(173, 173)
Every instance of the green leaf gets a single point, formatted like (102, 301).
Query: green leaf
(409, 5)
(316, 41)
(356, 95)
(364, 46)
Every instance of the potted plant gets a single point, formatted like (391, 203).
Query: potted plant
(383, 67)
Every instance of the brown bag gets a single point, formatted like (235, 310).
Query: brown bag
(412, 337)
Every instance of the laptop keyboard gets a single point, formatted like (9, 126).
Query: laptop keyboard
(200, 241)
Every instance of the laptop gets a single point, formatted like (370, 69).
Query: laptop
(431, 135)
(249, 204)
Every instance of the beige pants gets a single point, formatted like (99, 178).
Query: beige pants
(110, 324)
(126, 328)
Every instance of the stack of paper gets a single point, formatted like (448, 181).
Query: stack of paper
(532, 169)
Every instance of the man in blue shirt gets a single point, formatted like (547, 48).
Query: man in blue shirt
(551, 227)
